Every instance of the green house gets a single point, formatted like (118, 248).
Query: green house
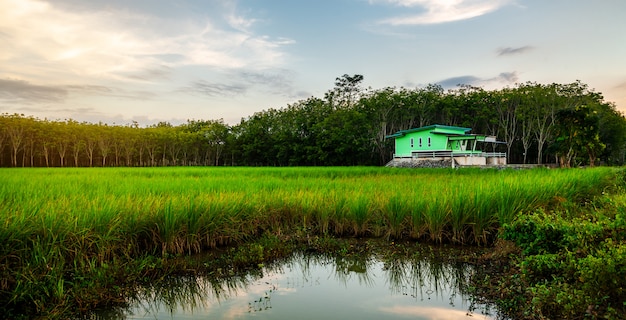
(440, 142)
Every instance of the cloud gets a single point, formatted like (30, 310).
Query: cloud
(621, 86)
(441, 11)
(92, 115)
(19, 90)
(214, 89)
(427, 312)
(274, 81)
(89, 89)
(150, 74)
(502, 78)
(456, 81)
(511, 51)
(507, 77)
(58, 110)
(96, 90)
(39, 38)
(25, 92)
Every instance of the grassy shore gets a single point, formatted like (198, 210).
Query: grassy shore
(74, 238)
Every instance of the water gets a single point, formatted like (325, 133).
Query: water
(317, 287)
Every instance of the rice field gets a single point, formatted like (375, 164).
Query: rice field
(186, 210)
(59, 224)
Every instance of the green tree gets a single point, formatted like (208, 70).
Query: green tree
(346, 92)
(255, 137)
(15, 127)
(507, 106)
(77, 142)
(216, 135)
(129, 144)
(545, 102)
(3, 135)
(379, 106)
(577, 132)
(61, 138)
(33, 136)
(612, 126)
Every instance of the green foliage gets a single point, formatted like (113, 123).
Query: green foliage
(537, 233)
(347, 126)
(573, 260)
(577, 134)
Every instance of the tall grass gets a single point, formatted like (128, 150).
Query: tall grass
(62, 227)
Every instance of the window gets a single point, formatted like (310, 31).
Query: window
(411, 142)
(420, 142)
(429, 141)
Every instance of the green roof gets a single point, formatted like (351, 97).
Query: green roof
(434, 128)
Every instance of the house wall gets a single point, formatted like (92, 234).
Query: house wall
(437, 142)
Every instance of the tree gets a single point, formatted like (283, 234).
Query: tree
(104, 142)
(173, 144)
(378, 107)
(474, 108)
(216, 134)
(347, 127)
(129, 144)
(545, 102)
(77, 142)
(507, 104)
(346, 92)
(612, 133)
(422, 105)
(33, 136)
(3, 134)
(149, 141)
(15, 131)
(62, 140)
(577, 132)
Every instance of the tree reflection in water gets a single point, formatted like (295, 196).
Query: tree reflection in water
(317, 286)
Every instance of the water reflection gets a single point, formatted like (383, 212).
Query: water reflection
(314, 287)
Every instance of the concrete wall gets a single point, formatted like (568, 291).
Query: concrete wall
(471, 161)
(414, 163)
(445, 162)
(496, 161)
(481, 161)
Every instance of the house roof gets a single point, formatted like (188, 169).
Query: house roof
(435, 128)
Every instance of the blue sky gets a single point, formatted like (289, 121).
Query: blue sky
(149, 60)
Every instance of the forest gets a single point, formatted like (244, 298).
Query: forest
(566, 124)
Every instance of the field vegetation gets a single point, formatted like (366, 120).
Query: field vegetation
(78, 238)
(565, 263)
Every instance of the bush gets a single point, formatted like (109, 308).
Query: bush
(573, 263)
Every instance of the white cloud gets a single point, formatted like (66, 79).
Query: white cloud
(430, 312)
(440, 11)
(43, 41)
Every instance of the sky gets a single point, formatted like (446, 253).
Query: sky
(118, 61)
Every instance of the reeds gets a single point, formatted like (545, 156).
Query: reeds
(57, 222)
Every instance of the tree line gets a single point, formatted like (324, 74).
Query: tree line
(569, 124)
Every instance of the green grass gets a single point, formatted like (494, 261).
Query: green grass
(64, 230)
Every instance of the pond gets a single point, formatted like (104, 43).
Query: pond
(316, 287)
